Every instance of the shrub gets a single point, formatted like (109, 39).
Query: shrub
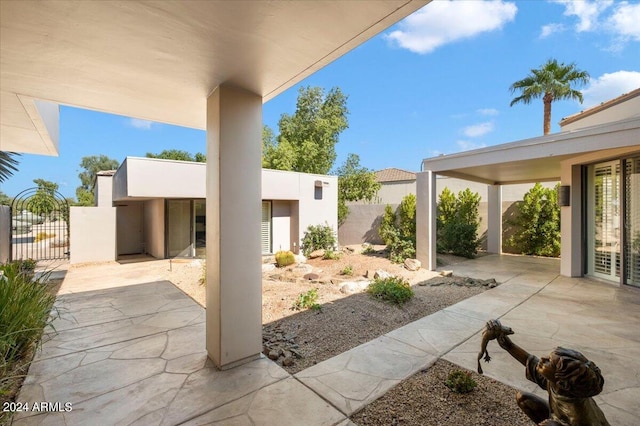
(307, 300)
(538, 223)
(348, 270)
(331, 255)
(460, 381)
(388, 225)
(457, 223)
(392, 289)
(407, 217)
(318, 237)
(401, 249)
(25, 307)
(285, 258)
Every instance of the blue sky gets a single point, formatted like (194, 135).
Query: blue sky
(435, 83)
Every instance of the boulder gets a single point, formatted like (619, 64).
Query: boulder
(311, 276)
(351, 287)
(316, 253)
(446, 273)
(302, 269)
(382, 274)
(268, 267)
(300, 258)
(412, 264)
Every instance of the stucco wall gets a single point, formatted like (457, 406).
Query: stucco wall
(394, 192)
(103, 191)
(627, 109)
(93, 234)
(5, 234)
(154, 227)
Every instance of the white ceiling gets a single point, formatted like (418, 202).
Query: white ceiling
(158, 60)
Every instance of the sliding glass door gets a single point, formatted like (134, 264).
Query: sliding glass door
(632, 220)
(179, 229)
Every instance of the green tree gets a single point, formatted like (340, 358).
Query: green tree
(180, 155)
(307, 138)
(552, 81)
(5, 200)
(8, 164)
(457, 223)
(92, 165)
(538, 222)
(355, 183)
(407, 216)
(43, 201)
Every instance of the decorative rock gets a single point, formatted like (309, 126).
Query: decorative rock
(446, 273)
(300, 258)
(382, 274)
(316, 253)
(269, 259)
(268, 267)
(412, 264)
(351, 287)
(274, 355)
(302, 269)
(311, 276)
(288, 361)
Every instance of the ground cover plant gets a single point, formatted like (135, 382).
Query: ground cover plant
(393, 289)
(25, 306)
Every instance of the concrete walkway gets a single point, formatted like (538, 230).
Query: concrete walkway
(131, 353)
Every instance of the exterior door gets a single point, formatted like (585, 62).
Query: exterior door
(179, 229)
(129, 228)
(605, 229)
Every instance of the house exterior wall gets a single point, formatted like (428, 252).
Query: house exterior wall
(153, 178)
(394, 192)
(153, 212)
(629, 108)
(103, 191)
(281, 225)
(93, 234)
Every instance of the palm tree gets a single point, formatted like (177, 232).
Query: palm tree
(551, 82)
(7, 164)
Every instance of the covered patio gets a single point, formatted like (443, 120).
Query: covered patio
(129, 349)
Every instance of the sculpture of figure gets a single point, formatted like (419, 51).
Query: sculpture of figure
(571, 381)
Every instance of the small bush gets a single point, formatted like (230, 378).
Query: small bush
(285, 258)
(331, 255)
(392, 289)
(388, 229)
(460, 381)
(348, 270)
(41, 236)
(458, 221)
(368, 249)
(307, 300)
(318, 237)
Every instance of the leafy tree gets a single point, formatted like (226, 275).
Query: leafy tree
(5, 200)
(43, 201)
(307, 138)
(400, 238)
(92, 165)
(8, 164)
(552, 81)
(407, 213)
(538, 222)
(180, 155)
(355, 183)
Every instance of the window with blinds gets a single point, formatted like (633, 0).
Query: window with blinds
(606, 254)
(265, 230)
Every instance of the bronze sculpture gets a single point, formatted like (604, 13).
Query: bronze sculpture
(570, 379)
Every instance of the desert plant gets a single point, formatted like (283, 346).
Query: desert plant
(538, 223)
(391, 289)
(307, 300)
(348, 270)
(388, 225)
(285, 258)
(368, 249)
(460, 381)
(318, 237)
(407, 218)
(331, 255)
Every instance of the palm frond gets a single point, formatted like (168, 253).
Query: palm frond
(8, 164)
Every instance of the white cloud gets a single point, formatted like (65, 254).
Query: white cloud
(609, 86)
(140, 124)
(586, 11)
(625, 21)
(478, 129)
(488, 111)
(549, 29)
(467, 145)
(442, 22)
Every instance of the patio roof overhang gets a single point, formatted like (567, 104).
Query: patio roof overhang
(159, 60)
(537, 159)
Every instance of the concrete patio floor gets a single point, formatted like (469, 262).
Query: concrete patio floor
(129, 349)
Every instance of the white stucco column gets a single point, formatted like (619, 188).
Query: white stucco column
(234, 284)
(494, 220)
(571, 250)
(426, 211)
